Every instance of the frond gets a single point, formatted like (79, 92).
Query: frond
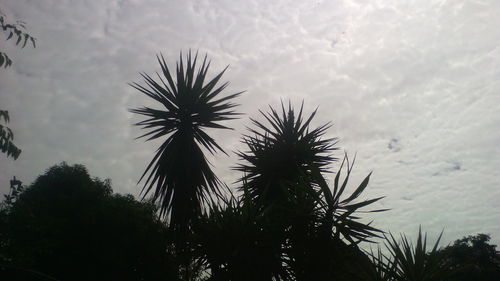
(341, 214)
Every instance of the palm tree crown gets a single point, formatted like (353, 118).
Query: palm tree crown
(282, 151)
(179, 174)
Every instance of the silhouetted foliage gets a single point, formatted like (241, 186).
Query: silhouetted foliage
(70, 226)
(469, 258)
(409, 262)
(12, 30)
(235, 238)
(281, 153)
(288, 222)
(301, 244)
(7, 145)
(179, 175)
(278, 180)
(473, 258)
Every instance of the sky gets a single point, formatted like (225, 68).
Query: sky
(411, 88)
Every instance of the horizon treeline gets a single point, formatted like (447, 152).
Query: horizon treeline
(68, 225)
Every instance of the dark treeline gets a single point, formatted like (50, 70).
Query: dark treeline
(281, 221)
(70, 226)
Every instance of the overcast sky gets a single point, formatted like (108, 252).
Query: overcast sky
(412, 87)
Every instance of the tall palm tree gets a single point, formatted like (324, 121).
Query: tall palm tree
(179, 176)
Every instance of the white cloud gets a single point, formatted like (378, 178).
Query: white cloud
(420, 76)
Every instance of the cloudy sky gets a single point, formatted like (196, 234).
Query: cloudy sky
(412, 87)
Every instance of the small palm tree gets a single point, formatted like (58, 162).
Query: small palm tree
(409, 262)
(179, 175)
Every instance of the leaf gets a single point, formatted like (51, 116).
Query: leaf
(358, 190)
(26, 36)
(19, 37)
(363, 204)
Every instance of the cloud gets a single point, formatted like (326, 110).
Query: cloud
(411, 87)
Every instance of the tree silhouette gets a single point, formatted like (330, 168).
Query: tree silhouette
(287, 222)
(406, 261)
(285, 206)
(473, 258)
(281, 153)
(235, 241)
(180, 177)
(69, 226)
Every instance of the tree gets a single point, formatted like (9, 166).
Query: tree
(469, 258)
(19, 30)
(281, 153)
(288, 222)
(69, 226)
(473, 258)
(406, 261)
(324, 239)
(277, 176)
(238, 236)
(180, 176)
(235, 242)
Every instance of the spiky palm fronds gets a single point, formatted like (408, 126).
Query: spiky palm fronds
(414, 262)
(324, 228)
(281, 151)
(179, 176)
(382, 268)
(340, 213)
(235, 241)
(411, 262)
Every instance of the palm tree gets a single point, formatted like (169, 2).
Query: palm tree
(179, 176)
(283, 179)
(234, 242)
(280, 153)
(324, 233)
(410, 262)
(280, 156)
